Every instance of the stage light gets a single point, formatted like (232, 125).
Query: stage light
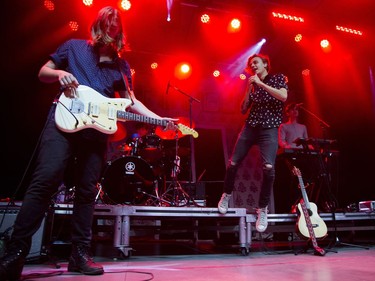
(125, 5)
(154, 65)
(205, 18)
(88, 2)
(50, 6)
(349, 30)
(216, 73)
(235, 23)
(73, 25)
(242, 76)
(169, 8)
(306, 72)
(287, 17)
(324, 43)
(185, 68)
(298, 38)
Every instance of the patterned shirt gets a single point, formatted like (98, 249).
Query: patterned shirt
(267, 111)
(81, 58)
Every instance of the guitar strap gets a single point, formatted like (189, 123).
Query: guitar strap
(126, 84)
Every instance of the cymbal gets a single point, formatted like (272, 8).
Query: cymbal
(170, 134)
(124, 147)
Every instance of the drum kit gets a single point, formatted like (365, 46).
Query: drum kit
(140, 175)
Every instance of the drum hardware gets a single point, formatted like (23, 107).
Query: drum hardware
(150, 148)
(64, 194)
(100, 194)
(175, 195)
(155, 200)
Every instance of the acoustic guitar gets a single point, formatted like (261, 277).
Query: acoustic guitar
(309, 224)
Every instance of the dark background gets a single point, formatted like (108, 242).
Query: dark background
(342, 81)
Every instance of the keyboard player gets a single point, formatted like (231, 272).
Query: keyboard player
(292, 129)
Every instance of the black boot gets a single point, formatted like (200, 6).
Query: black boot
(81, 261)
(11, 264)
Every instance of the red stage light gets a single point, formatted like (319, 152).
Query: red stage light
(73, 25)
(50, 6)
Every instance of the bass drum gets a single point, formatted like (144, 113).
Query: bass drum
(128, 180)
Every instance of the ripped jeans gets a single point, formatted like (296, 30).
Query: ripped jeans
(267, 140)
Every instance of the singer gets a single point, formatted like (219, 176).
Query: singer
(264, 100)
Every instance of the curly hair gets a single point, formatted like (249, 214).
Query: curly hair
(264, 58)
(107, 18)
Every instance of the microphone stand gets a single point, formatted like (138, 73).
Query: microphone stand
(192, 154)
(324, 125)
(324, 170)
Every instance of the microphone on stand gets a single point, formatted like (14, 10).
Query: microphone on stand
(168, 85)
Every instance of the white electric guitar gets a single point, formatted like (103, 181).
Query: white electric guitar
(89, 109)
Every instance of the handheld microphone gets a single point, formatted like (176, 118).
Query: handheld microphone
(168, 85)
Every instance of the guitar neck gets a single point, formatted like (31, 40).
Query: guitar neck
(129, 116)
(303, 191)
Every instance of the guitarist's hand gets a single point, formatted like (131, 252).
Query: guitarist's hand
(67, 80)
(170, 125)
(68, 83)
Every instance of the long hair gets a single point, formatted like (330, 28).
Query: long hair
(107, 17)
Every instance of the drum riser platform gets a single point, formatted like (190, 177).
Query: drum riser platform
(241, 222)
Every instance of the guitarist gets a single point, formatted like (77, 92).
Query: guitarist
(95, 63)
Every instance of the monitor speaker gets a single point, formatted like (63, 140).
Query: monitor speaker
(8, 215)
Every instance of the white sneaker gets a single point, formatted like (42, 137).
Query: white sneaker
(261, 223)
(223, 203)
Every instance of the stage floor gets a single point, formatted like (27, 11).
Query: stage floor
(345, 264)
(165, 245)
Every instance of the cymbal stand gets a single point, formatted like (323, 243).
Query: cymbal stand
(175, 195)
(155, 200)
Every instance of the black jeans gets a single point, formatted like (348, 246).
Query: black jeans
(55, 151)
(267, 140)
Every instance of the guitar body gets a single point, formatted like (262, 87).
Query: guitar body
(318, 225)
(88, 109)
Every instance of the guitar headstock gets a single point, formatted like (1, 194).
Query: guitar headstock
(296, 171)
(185, 130)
